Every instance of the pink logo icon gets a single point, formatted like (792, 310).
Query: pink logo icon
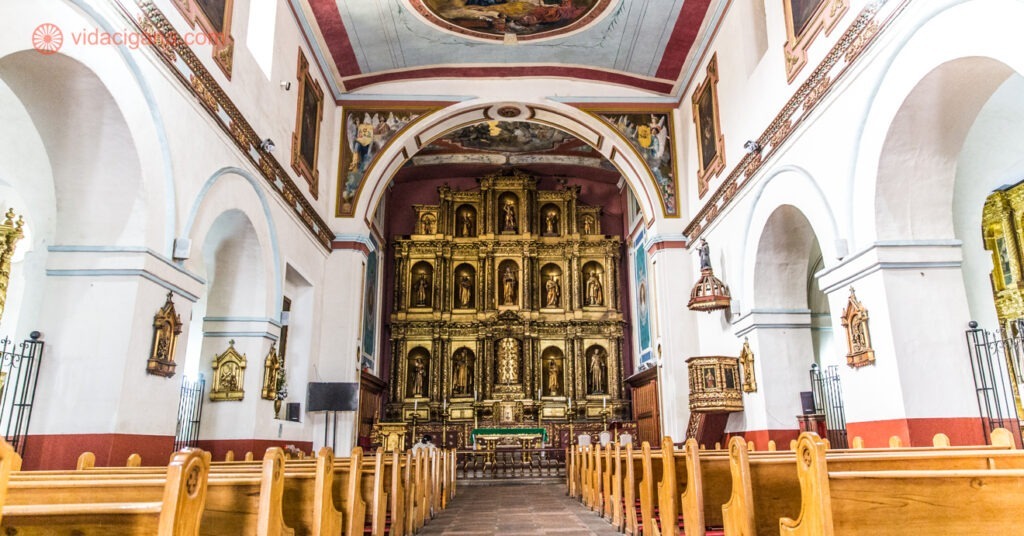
(47, 39)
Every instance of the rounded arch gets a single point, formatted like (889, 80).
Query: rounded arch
(226, 191)
(588, 128)
(956, 56)
(118, 72)
(793, 187)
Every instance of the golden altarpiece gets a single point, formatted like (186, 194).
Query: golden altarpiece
(506, 312)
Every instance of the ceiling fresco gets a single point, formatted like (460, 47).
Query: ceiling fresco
(643, 45)
(510, 19)
(508, 137)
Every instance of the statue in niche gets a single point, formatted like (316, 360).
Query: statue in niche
(510, 216)
(461, 383)
(597, 364)
(508, 361)
(553, 291)
(509, 282)
(551, 222)
(595, 292)
(468, 225)
(419, 376)
(465, 290)
(422, 288)
(588, 225)
(427, 223)
(554, 386)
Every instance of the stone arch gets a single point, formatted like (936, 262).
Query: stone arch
(605, 139)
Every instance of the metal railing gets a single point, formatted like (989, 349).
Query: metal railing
(991, 354)
(190, 412)
(828, 400)
(19, 376)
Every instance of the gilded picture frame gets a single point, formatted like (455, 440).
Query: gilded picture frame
(308, 116)
(214, 18)
(710, 139)
(805, 19)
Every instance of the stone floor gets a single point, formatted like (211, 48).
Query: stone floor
(516, 510)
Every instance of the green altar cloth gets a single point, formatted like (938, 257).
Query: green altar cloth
(508, 432)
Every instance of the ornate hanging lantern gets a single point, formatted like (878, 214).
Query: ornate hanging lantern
(710, 293)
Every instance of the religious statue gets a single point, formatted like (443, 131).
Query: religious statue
(588, 225)
(705, 255)
(554, 386)
(510, 216)
(551, 222)
(467, 223)
(461, 382)
(554, 291)
(597, 371)
(508, 361)
(465, 290)
(508, 286)
(419, 373)
(427, 224)
(422, 288)
(595, 292)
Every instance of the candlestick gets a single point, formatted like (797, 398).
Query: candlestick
(604, 403)
(415, 405)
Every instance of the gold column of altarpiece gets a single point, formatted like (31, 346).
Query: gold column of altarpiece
(506, 305)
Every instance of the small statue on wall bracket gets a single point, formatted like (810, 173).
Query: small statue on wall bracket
(166, 328)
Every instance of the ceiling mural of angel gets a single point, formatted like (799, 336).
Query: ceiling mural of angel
(366, 134)
(651, 135)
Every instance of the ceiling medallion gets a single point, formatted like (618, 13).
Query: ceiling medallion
(509, 112)
(511, 21)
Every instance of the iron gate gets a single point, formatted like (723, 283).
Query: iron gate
(190, 411)
(828, 400)
(991, 353)
(19, 376)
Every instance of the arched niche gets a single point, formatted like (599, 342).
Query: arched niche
(597, 370)
(421, 285)
(463, 366)
(465, 221)
(550, 223)
(553, 362)
(508, 363)
(417, 384)
(551, 287)
(464, 295)
(508, 283)
(427, 224)
(593, 277)
(509, 214)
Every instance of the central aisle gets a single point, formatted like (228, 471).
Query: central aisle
(516, 509)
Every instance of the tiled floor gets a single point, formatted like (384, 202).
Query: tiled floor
(516, 510)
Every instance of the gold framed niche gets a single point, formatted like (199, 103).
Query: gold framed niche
(308, 116)
(464, 286)
(166, 329)
(551, 287)
(463, 371)
(858, 337)
(417, 373)
(509, 214)
(710, 140)
(421, 285)
(589, 223)
(228, 375)
(426, 220)
(594, 282)
(553, 383)
(509, 278)
(466, 221)
(550, 222)
(805, 19)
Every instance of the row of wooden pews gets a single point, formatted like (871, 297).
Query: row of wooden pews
(807, 490)
(389, 493)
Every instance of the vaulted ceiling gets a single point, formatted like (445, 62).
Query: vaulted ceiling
(646, 45)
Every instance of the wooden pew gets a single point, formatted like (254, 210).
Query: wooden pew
(882, 503)
(633, 466)
(171, 505)
(617, 477)
(606, 482)
(765, 489)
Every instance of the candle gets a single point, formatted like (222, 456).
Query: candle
(604, 403)
(538, 393)
(415, 405)
(570, 403)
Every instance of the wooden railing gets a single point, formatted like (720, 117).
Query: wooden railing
(511, 463)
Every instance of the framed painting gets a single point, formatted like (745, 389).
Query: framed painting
(805, 19)
(710, 140)
(652, 135)
(214, 18)
(365, 133)
(642, 301)
(308, 115)
(370, 289)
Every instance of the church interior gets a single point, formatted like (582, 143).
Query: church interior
(568, 241)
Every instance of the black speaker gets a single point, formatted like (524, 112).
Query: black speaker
(292, 411)
(337, 396)
(807, 402)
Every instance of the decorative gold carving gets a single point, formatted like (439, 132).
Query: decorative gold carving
(228, 375)
(509, 361)
(858, 338)
(207, 98)
(390, 435)
(217, 32)
(166, 328)
(10, 233)
(271, 372)
(1000, 231)
(714, 384)
(308, 116)
(710, 140)
(747, 363)
(805, 19)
